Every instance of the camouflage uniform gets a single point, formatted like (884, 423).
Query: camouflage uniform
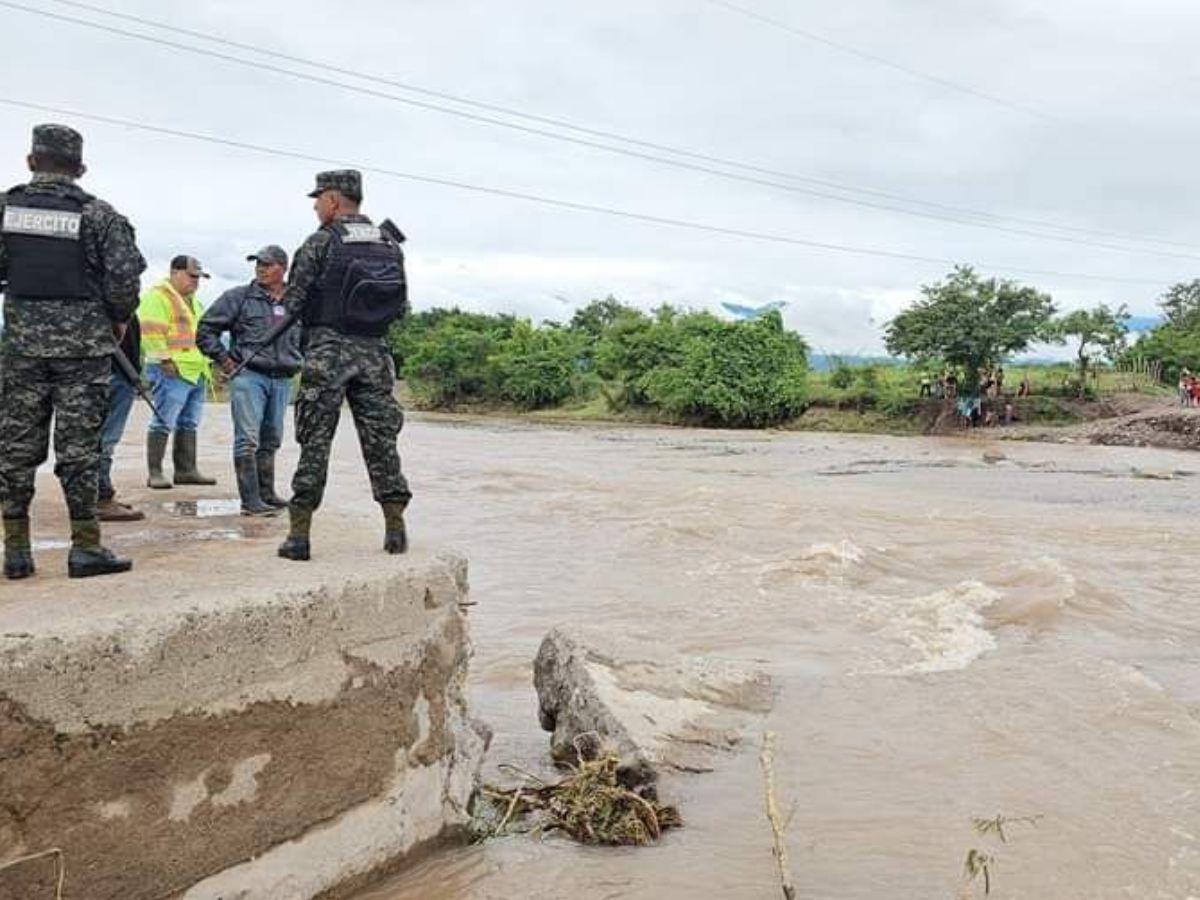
(338, 367)
(56, 353)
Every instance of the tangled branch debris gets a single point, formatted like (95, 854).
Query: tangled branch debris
(590, 805)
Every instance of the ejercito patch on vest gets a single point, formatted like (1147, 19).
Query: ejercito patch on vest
(52, 223)
(361, 233)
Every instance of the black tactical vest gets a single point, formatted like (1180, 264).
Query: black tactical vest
(43, 234)
(362, 290)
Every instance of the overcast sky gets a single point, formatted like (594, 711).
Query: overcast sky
(1093, 126)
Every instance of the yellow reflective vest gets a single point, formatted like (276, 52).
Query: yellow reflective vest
(169, 330)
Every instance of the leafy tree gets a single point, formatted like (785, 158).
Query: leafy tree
(600, 315)
(1097, 329)
(971, 322)
(1181, 305)
(1176, 348)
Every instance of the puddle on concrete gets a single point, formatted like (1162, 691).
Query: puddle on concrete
(158, 536)
(155, 536)
(204, 509)
(50, 544)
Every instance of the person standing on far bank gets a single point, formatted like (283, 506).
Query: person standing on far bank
(70, 270)
(347, 286)
(259, 395)
(177, 372)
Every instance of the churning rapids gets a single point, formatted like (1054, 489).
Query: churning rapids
(950, 637)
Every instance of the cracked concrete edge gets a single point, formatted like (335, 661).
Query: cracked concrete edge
(225, 653)
(368, 840)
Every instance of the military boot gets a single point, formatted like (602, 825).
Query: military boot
(296, 546)
(109, 509)
(395, 535)
(265, 460)
(184, 457)
(156, 449)
(18, 548)
(87, 557)
(247, 482)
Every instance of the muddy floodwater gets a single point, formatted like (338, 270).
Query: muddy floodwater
(951, 638)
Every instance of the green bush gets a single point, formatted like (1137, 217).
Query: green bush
(683, 365)
(841, 376)
(537, 367)
(743, 374)
(445, 354)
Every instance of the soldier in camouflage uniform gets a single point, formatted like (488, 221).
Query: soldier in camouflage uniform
(347, 286)
(70, 270)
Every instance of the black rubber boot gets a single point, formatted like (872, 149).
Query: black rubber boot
(265, 460)
(247, 482)
(156, 449)
(88, 558)
(183, 453)
(297, 547)
(395, 535)
(18, 549)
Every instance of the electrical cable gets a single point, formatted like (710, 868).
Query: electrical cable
(882, 60)
(956, 218)
(563, 204)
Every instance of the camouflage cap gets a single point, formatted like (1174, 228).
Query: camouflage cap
(58, 141)
(272, 253)
(347, 182)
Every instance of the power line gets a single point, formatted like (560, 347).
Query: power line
(559, 123)
(883, 61)
(558, 203)
(956, 216)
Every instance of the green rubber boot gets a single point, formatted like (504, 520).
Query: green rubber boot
(395, 534)
(156, 449)
(87, 557)
(297, 547)
(183, 453)
(18, 549)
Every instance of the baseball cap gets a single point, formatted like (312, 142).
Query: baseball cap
(271, 253)
(190, 264)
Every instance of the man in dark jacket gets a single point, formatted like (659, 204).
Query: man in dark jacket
(259, 395)
(121, 392)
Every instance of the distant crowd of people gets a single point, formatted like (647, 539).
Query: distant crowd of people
(1189, 389)
(990, 406)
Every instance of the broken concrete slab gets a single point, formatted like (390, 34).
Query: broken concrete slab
(654, 706)
(273, 742)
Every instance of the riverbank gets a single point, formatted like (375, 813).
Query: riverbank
(1131, 418)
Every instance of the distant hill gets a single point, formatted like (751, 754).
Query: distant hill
(823, 362)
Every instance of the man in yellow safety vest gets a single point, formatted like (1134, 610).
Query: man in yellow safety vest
(177, 371)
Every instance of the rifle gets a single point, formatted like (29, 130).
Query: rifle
(135, 379)
(270, 338)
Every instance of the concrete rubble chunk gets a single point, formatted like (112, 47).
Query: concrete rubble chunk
(279, 742)
(656, 707)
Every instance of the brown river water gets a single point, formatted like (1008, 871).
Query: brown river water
(950, 638)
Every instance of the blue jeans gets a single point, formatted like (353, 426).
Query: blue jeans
(120, 401)
(179, 401)
(258, 403)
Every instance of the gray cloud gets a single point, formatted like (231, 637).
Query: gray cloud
(1112, 150)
